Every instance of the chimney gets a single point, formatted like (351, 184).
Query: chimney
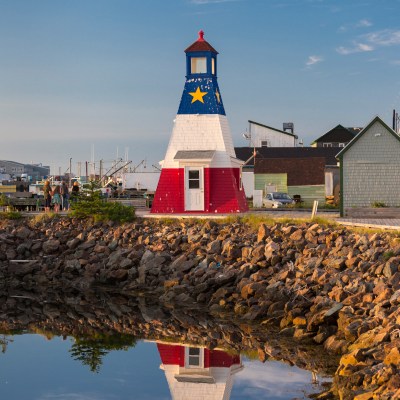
(288, 126)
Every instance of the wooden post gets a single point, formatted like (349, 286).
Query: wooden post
(314, 210)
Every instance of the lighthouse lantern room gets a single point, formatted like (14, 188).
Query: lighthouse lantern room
(200, 172)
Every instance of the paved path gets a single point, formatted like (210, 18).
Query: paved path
(381, 223)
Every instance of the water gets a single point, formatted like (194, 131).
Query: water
(36, 367)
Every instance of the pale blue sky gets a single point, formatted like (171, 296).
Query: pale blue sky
(110, 73)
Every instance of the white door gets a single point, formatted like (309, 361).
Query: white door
(194, 189)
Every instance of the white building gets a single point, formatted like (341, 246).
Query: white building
(261, 135)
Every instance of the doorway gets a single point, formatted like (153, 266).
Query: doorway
(194, 189)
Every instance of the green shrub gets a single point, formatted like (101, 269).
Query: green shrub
(91, 204)
(4, 200)
(10, 215)
(378, 204)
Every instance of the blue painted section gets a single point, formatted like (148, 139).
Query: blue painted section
(209, 56)
(210, 105)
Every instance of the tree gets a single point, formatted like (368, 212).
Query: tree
(90, 350)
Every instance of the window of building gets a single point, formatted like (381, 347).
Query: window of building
(265, 143)
(199, 65)
(326, 144)
(194, 179)
(193, 357)
(213, 66)
(342, 144)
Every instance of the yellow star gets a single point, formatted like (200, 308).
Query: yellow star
(218, 96)
(198, 95)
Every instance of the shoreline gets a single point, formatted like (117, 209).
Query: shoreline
(328, 286)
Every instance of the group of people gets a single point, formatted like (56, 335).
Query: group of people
(58, 197)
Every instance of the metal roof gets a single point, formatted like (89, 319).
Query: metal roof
(194, 155)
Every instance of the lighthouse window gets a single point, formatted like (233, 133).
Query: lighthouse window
(213, 66)
(193, 357)
(199, 65)
(194, 179)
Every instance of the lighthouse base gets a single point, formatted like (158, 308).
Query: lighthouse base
(219, 186)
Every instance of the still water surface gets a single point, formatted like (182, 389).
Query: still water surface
(35, 368)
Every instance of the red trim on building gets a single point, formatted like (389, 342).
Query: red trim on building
(222, 193)
(171, 354)
(175, 355)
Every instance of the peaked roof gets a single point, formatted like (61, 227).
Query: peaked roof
(201, 45)
(339, 133)
(329, 153)
(360, 134)
(274, 129)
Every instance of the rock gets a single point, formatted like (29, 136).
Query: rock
(73, 243)
(335, 345)
(22, 232)
(263, 233)
(214, 247)
(297, 235)
(393, 357)
(51, 246)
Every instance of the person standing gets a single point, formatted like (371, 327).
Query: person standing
(75, 192)
(56, 200)
(64, 196)
(47, 196)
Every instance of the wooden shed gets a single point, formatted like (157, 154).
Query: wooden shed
(369, 169)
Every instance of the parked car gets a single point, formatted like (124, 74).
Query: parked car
(277, 199)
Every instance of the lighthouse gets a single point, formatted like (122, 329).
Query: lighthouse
(200, 172)
(198, 373)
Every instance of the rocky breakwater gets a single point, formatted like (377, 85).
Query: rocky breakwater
(325, 285)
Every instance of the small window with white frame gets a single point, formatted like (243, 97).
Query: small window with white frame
(194, 357)
(199, 65)
(326, 144)
(342, 144)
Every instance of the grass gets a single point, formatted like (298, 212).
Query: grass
(43, 217)
(10, 215)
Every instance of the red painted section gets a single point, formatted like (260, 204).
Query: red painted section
(169, 196)
(206, 360)
(220, 358)
(171, 354)
(225, 193)
(175, 355)
(222, 193)
(201, 36)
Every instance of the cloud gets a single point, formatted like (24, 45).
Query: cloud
(363, 23)
(314, 60)
(386, 37)
(356, 48)
(371, 41)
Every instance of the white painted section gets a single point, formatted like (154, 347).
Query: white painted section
(220, 390)
(194, 189)
(274, 138)
(257, 198)
(201, 132)
(141, 180)
(248, 183)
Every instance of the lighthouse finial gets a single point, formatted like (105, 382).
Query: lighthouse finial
(201, 36)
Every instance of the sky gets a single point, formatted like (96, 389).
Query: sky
(101, 79)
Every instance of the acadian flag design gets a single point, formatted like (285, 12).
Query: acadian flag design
(200, 172)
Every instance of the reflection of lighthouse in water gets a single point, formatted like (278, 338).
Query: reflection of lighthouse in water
(197, 373)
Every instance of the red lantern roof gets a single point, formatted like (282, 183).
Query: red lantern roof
(201, 45)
